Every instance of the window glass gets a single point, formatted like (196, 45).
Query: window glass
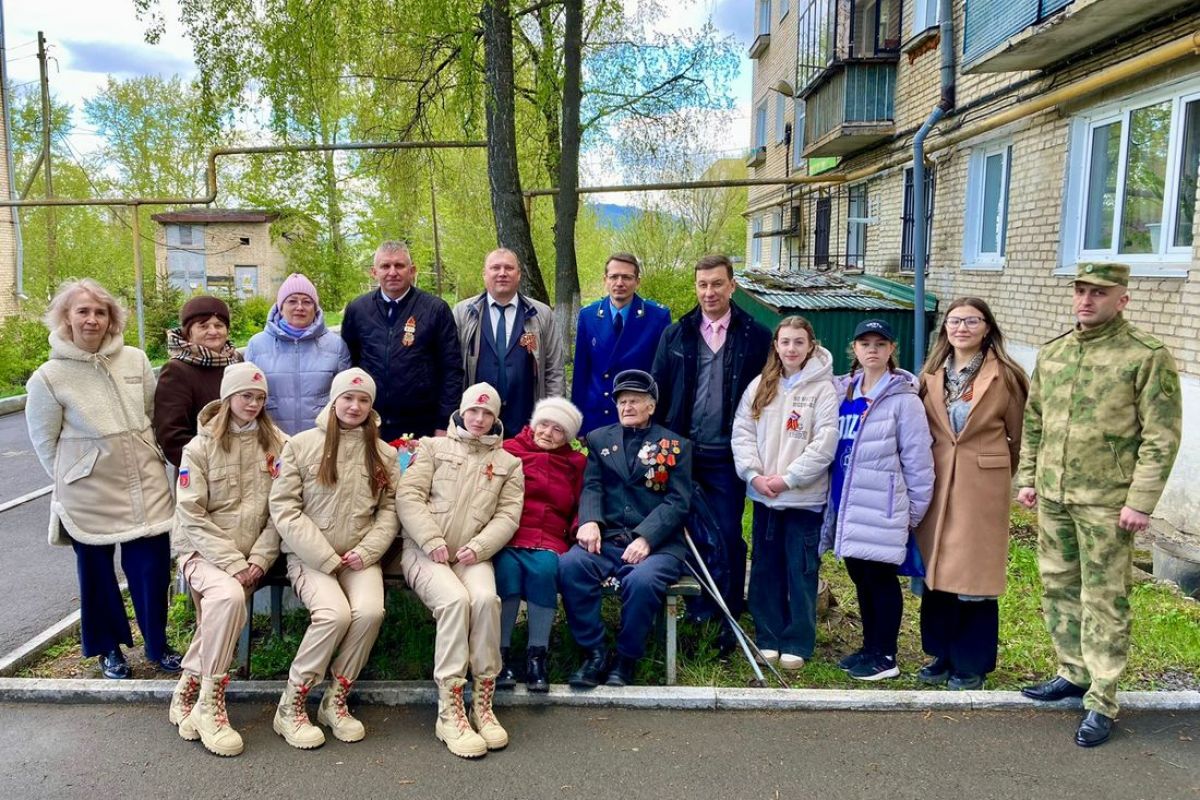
(760, 125)
(1185, 207)
(1145, 178)
(1102, 186)
(991, 220)
(764, 16)
(798, 133)
(856, 227)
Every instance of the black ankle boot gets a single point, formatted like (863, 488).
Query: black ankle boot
(505, 679)
(592, 671)
(536, 679)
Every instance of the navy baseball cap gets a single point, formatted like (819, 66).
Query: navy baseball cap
(876, 326)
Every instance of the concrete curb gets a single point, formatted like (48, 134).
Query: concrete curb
(422, 693)
(12, 405)
(33, 649)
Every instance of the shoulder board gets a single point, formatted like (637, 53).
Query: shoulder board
(1149, 340)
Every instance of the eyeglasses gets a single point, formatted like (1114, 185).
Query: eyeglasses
(970, 323)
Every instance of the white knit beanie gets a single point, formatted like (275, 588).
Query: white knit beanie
(352, 380)
(562, 412)
(241, 377)
(481, 395)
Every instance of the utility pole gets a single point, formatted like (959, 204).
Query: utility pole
(51, 237)
(437, 247)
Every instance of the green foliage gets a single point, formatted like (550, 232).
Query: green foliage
(23, 348)
(675, 288)
(161, 305)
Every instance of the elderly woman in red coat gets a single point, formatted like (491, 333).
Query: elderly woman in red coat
(527, 569)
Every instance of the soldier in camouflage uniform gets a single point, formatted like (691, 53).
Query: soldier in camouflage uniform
(1102, 428)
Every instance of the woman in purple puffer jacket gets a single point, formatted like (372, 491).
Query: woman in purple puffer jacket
(880, 488)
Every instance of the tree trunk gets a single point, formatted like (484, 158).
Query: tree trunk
(508, 208)
(566, 202)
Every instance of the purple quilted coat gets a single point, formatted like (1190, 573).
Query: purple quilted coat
(889, 482)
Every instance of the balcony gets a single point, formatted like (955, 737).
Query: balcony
(757, 156)
(760, 45)
(1015, 35)
(850, 109)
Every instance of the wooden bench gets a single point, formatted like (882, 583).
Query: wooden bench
(276, 581)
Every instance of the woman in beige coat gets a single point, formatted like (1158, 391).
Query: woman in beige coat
(974, 397)
(459, 502)
(225, 543)
(332, 504)
(88, 412)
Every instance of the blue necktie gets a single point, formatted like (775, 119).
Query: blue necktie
(502, 349)
(619, 324)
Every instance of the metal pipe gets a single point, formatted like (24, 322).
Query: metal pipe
(19, 289)
(139, 301)
(211, 172)
(921, 230)
(713, 184)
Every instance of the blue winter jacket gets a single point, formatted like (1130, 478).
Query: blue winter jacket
(299, 371)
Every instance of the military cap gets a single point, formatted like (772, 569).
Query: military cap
(635, 380)
(1102, 274)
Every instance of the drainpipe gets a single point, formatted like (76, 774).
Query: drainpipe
(920, 231)
(16, 215)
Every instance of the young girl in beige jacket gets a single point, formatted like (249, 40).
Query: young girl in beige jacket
(459, 502)
(225, 543)
(333, 505)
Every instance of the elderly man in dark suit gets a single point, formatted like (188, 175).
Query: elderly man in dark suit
(637, 488)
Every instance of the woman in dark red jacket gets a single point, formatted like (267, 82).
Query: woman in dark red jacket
(527, 569)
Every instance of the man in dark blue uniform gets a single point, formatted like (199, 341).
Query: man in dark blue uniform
(615, 333)
(636, 492)
(408, 342)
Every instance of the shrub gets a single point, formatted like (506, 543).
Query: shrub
(23, 348)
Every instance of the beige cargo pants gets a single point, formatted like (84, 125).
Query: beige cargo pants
(346, 612)
(220, 616)
(464, 602)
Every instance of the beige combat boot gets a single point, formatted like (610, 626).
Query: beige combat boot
(182, 700)
(482, 715)
(334, 712)
(452, 726)
(209, 720)
(291, 719)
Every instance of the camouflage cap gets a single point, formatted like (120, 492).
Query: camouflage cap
(1102, 274)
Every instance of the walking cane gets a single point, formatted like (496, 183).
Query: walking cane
(746, 643)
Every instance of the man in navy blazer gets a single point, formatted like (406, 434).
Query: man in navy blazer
(637, 489)
(615, 333)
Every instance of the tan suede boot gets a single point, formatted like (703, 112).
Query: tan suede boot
(291, 719)
(209, 720)
(452, 726)
(482, 715)
(182, 700)
(334, 712)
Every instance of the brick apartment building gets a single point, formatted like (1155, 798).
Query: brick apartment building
(219, 250)
(841, 86)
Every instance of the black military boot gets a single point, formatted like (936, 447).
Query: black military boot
(536, 678)
(505, 678)
(622, 671)
(592, 671)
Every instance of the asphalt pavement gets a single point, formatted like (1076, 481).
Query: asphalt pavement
(78, 751)
(37, 586)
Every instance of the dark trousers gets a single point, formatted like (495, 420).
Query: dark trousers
(880, 603)
(714, 473)
(783, 579)
(643, 588)
(103, 624)
(963, 632)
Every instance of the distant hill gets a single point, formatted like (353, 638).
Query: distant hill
(615, 216)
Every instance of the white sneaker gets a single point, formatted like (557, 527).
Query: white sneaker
(790, 662)
(768, 657)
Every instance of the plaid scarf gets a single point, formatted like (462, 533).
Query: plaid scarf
(198, 355)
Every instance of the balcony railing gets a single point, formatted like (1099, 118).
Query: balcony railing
(852, 109)
(831, 32)
(1015, 35)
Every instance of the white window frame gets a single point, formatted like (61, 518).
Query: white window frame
(1169, 261)
(973, 256)
(799, 111)
(760, 124)
(777, 239)
(764, 17)
(756, 225)
(780, 118)
(925, 15)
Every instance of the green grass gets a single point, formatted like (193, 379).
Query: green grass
(1165, 652)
